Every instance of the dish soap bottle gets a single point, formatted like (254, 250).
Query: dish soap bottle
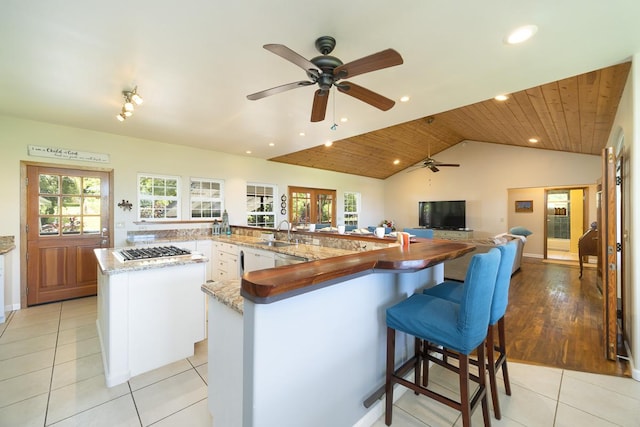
(226, 229)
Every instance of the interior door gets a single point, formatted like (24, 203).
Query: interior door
(67, 217)
(609, 258)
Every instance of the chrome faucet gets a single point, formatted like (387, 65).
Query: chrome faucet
(288, 229)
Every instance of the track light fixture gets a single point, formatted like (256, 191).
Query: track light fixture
(130, 98)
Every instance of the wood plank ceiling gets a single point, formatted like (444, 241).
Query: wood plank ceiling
(573, 115)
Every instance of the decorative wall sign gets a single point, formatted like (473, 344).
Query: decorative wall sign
(67, 154)
(524, 206)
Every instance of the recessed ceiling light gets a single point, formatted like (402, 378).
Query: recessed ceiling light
(405, 98)
(521, 34)
(344, 120)
(396, 162)
(328, 143)
(271, 144)
(501, 97)
(248, 152)
(301, 134)
(533, 140)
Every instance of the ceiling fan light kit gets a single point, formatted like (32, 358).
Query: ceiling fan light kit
(131, 97)
(326, 70)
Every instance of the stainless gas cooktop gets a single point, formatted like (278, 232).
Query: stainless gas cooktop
(137, 254)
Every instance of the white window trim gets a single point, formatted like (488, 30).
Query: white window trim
(276, 203)
(152, 198)
(358, 198)
(192, 199)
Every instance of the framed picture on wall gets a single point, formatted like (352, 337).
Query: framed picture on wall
(524, 205)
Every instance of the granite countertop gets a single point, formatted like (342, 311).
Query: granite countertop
(227, 292)
(7, 244)
(310, 252)
(109, 264)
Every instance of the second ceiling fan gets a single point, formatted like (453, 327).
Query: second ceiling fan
(327, 71)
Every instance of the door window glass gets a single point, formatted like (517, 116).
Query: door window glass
(68, 205)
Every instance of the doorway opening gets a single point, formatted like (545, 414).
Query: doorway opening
(566, 222)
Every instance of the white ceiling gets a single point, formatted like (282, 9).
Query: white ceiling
(194, 62)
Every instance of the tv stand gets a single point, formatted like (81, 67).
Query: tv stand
(453, 234)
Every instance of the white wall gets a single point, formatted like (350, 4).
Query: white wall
(129, 156)
(535, 221)
(485, 174)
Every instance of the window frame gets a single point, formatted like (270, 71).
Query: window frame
(253, 213)
(358, 200)
(193, 199)
(153, 198)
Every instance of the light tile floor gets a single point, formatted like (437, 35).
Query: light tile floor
(51, 374)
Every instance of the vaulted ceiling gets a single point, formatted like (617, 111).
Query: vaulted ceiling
(67, 62)
(573, 115)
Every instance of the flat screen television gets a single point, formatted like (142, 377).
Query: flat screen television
(444, 215)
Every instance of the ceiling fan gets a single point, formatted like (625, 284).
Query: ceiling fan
(327, 71)
(431, 163)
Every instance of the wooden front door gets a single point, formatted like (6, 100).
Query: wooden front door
(67, 217)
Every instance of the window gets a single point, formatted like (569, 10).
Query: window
(69, 204)
(158, 197)
(206, 196)
(312, 206)
(351, 208)
(260, 205)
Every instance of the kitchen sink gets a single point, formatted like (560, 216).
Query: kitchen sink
(275, 243)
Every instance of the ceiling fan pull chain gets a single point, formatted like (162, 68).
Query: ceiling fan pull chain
(335, 125)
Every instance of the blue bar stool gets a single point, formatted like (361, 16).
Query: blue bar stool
(454, 291)
(459, 327)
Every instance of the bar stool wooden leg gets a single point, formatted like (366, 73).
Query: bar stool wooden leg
(502, 359)
(391, 348)
(491, 367)
(418, 368)
(483, 385)
(465, 405)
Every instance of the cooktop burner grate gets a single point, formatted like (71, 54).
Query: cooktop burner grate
(155, 252)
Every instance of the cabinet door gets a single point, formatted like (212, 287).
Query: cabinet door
(256, 259)
(205, 247)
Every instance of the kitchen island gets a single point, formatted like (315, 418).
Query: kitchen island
(150, 312)
(311, 336)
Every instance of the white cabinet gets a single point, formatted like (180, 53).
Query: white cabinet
(205, 247)
(257, 259)
(227, 266)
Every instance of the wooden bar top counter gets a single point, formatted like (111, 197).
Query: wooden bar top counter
(270, 285)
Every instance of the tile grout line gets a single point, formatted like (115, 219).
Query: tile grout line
(53, 364)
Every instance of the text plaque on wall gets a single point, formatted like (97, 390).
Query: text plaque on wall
(67, 154)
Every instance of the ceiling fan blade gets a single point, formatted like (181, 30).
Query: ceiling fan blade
(278, 89)
(448, 164)
(319, 108)
(291, 56)
(433, 168)
(366, 95)
(377, 61)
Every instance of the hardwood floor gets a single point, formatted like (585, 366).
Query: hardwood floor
(554, 318)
